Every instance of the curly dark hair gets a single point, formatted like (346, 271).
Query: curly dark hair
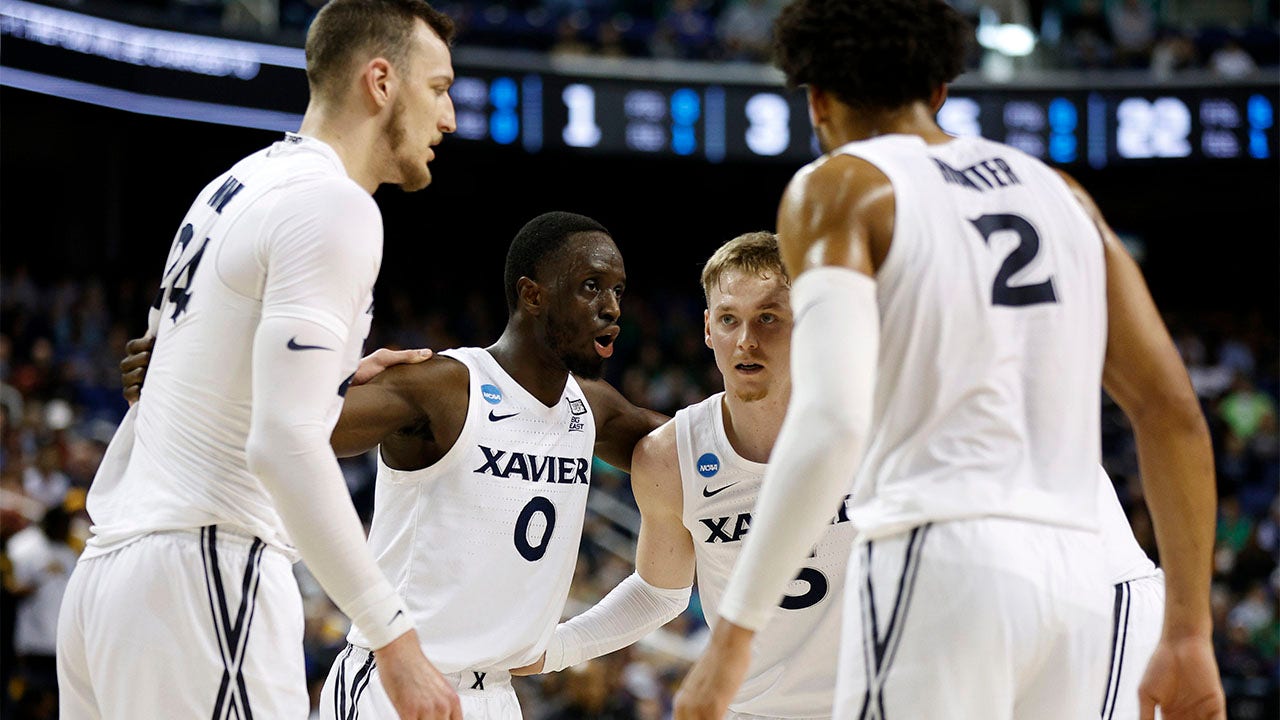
(871, 53)
(538, 241)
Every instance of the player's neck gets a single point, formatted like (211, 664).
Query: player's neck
(849, 125)
(533, 366)
(752, 426)
(354, 142)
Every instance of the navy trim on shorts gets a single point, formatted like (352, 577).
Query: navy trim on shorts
(1119, 636)
(358, 684)
(879, 653)
(232, 637)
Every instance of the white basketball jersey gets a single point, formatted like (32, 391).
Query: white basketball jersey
(482, 544)
(1126, 560)
(793, 660)
(178, 460)
(993, 329)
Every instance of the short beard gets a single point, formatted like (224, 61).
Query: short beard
(412, 178)
(752, 395)
(589, 367)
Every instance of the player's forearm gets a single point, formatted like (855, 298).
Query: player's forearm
(1176, 462)
(629, 612)
(288, 451)
(311, 497)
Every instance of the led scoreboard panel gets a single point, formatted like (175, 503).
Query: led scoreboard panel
(735, 122)
(719, 114)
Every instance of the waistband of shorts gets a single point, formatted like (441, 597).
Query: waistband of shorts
(465, 681)
(479, 681)
(224, 535)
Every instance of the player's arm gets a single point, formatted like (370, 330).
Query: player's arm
(832, 215)
(1145, 376)
(619, 423)
(321, 259)
(660, 588)
(133, 368)
(401, 397)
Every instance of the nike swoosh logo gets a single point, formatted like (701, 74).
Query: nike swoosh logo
(393, 617)
(706, 492)
(293, 345)
(496, 418)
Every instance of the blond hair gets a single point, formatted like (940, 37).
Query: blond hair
(753, 252)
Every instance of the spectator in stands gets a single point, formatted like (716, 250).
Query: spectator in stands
(1244, 408)
(685, 30)
(1232, 61)
(42, 559)
(745, 30)
(1133, 30)
(1087, 35)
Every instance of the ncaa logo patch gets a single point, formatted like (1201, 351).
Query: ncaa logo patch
(708, 465)
(491, 394)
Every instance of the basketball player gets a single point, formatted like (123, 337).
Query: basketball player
(696, 479)
(483, 471)
(692, 521)
(184, 603)
(957, 304)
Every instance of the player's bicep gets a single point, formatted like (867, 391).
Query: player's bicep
(1142, 366)
(370, 413)
(664, 551)
(619, 423)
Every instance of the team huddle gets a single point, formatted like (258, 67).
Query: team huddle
(895, 508)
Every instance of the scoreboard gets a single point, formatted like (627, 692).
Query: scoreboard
(733, 122)
(540, 107)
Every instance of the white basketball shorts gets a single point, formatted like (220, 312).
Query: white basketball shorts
(1137, 617)
(202, 623)
(990, 619)
(354, 690)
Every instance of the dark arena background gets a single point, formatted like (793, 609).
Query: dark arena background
(664, 122)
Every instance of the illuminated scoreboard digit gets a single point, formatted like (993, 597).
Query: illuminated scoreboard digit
(765, 124)
(1152, 127)
(1261, 115)
(499, 109)
(1043, 126)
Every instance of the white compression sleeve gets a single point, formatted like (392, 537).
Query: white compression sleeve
(834, 348)
(630, 611)
(288, 450)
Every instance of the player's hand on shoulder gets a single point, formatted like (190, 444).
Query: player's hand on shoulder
(382, 358)
(417, 690)
(133, 369)
(532, 668)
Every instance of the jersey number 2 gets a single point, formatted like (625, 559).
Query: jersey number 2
(1002, 293)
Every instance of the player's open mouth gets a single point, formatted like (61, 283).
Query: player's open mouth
(749, 368)
(604, 343)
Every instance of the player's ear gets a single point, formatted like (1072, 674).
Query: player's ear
(938, 97)
(530, 296)
(377, 80)
(819, 105)
(706, 327)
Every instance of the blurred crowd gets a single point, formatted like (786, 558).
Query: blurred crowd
(1229, 37)
(62, 339)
